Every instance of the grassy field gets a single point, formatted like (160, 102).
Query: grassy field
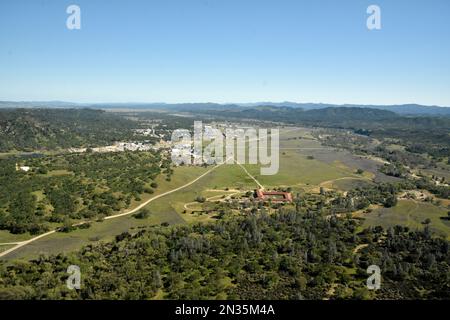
(300, 133)
(6, 236)
(346, 184)
(296, 169)
(411, 214)
(351, 161)
(5, 247)
(226, 176)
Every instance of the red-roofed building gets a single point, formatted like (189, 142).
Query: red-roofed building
(274, 196)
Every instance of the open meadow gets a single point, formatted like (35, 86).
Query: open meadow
(411, 214)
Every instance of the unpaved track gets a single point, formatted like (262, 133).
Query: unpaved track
(213, 198)
(359, 247)
(24, 243)
(248, 173)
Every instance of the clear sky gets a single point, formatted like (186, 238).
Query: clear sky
(226, 51)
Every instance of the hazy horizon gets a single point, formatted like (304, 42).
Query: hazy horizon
(215, 102)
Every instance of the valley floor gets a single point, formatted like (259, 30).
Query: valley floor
(305, 166)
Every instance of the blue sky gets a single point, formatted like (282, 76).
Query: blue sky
(226, 51)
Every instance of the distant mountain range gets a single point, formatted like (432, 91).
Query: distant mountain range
(405, 109)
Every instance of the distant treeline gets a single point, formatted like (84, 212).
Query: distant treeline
(420, 134)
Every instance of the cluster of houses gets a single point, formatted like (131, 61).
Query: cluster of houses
(150, 132)
(118, 147)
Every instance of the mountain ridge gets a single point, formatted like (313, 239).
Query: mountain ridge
(402, 109)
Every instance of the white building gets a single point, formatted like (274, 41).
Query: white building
(22, 168)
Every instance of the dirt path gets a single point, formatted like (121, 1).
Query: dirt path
(359, 247)
(9, 243)
(24, 243)
(227, 196)
(248, 173)
(186, 205)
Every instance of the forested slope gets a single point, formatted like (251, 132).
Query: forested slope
(31, 129)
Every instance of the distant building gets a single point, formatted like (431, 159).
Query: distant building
(117, 147)
(274, 196)
(22, 168)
